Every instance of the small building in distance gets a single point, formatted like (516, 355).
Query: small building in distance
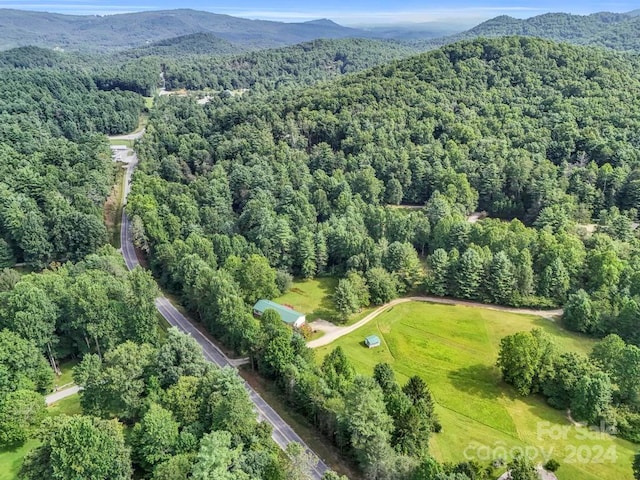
(288, 315)
(372, 341)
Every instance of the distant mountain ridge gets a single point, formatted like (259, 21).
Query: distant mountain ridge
(131, 30)
(619, 31)
(190, 44)
(143, 33)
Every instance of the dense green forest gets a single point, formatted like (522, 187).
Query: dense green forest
(269, 69)
(237, 195)
(370, 178)
(184, 45)
(152, 407)
(604, 29)
(65, 103)
(55, 165)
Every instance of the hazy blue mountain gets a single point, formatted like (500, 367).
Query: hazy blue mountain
(191, 44)
(417, 31)
(132, 30)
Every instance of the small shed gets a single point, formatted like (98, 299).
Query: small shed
(288, 315)
(372, 341)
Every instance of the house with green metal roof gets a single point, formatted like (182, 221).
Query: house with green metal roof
(288, 315)
(372, 341)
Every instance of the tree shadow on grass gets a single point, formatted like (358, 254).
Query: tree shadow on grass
(326, 309)
(477, 380)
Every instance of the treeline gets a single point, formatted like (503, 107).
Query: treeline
(141, 75)
(67, 103)
(185, 419)
(51, 194)
(63, 313)
(500, 125)
(267, 70)
(602, 29)
(72, 309)
(108, 72)
(201, 43)
(56, 169)
(602, 389)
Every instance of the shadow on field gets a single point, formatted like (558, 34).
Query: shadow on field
(477, 380)
(327, 309)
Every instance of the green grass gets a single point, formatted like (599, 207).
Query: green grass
(454, 348)
(313, 298)
(66, 406)
(113, 207)
(127, 143)
(11, 459)
(66, 377)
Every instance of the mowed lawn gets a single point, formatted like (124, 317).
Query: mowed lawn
(11, 458)
(454, 348)
(312, 297)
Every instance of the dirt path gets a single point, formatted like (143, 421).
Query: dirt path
(333, 332)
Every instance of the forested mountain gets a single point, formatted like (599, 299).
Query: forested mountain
(605, 29)
(418, 31)
(55, 165)
(192, 44)
(38, 57)
(237, 195)
(131, 30)
(269, 69)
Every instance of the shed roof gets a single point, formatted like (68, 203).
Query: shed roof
(287, 314)
(372, 340)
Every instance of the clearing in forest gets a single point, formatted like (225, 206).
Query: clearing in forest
(454, 349)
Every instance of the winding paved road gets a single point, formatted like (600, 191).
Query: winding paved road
(332, 333)
(282, 433)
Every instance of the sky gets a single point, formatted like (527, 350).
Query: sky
(353, 12)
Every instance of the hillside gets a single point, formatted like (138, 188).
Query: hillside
(192, 44)
(132, 30)
(505, 113)
(299, 64)
(248, 190)
(618, 31)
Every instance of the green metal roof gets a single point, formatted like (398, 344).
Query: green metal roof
(286, 314)
(372, 340)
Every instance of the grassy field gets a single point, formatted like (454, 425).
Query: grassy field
(66, 406)
(67, 373)
(454, 348)
(126, 143)
(11, 459)
(314, 298)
